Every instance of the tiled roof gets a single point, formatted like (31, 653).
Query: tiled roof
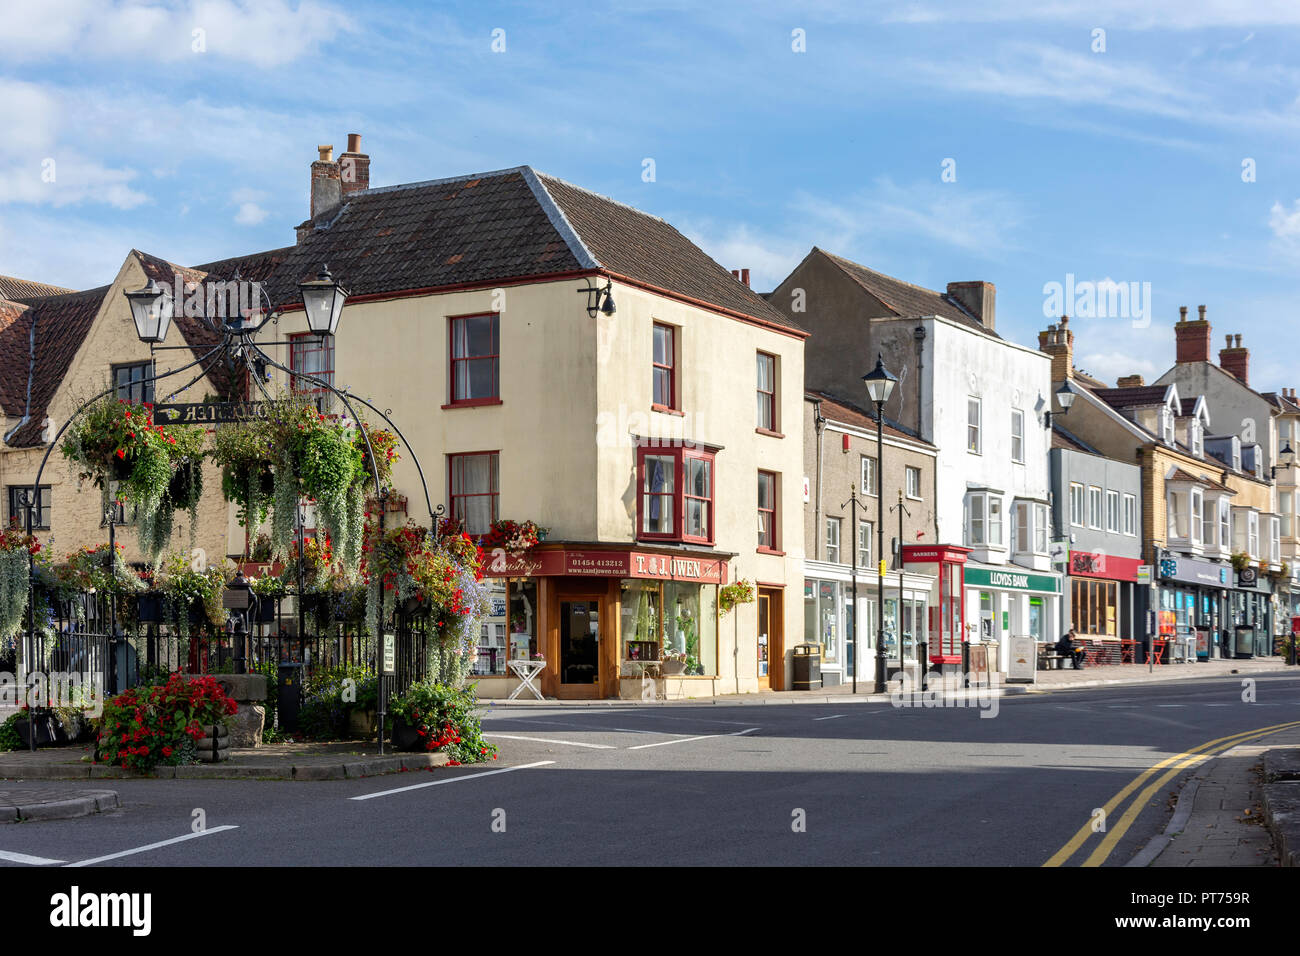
(1064, 439)
(1286, 405)
(15, 329)
(838, 410)
(904, 299)
(62, 322)
(642, 247)
(12, 288)
(503, 225)
(1132, 397)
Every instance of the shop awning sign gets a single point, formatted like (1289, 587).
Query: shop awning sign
(1013, 580)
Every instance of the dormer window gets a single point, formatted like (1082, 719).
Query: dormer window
(1167, 425)
(1197, 438)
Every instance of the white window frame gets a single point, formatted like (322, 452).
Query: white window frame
(1040, 528)
(1286, 512)
(1209, 524)
(833, 540)
(1112, 512)
(1078, 505)
(1022, 527)
(1175, 524)
(913, 476)
(1094, 507)
(1275, 540)
(864, 553)
(1225, 524)
(1252, 534)
(1017, 436)
(1195, 514)
(870, 479)
(995, 521)
(976, 518)
(974, 431)
(1130, 515)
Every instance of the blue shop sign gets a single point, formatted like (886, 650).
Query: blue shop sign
(1195, 572)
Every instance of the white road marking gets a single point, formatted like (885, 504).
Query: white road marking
(153, 846)
(438, 783)
(1170, 705)
(24, 858)
(548, 740)
(684, 740)
(831, 717)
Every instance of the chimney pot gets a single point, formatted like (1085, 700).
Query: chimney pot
(1200, 310)
(1182, 313)
(354, 167)
(1227, 341)
(1237, 340)
(325, 192)
(326, 153)
(1235, 360)
(1058, 343)
(735, 274)
(744, 276)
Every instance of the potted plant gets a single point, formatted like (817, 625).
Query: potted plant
(269, 590)
(434, 717)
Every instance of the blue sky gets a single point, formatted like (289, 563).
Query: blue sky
(1123, 164)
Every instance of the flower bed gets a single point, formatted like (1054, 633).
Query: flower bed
(151, 726)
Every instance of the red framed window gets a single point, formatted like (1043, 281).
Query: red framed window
(475, 352)
(472, 479)
(675, 502)
(766, 391)
(665, 366)
(768, 539)
(312, 354)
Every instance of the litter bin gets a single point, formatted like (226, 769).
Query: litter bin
(290, 695)
(807, 667)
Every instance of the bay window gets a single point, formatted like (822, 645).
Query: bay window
(1040, 529)
(1284, 506)
(1197, 506)
(1252, 530)
(984, 520)
(1274, 540)
(675, 502)
(1225, 524)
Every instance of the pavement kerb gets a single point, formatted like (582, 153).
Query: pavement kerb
(81, 804)
(349, 769)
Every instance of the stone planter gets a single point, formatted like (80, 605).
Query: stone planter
(362, 724)
(215, 747)
(248, 691)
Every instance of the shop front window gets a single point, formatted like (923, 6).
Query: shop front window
(671, 621)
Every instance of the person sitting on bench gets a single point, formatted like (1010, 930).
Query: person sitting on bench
(1067, 646)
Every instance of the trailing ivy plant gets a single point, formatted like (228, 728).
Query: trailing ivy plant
(16, 547)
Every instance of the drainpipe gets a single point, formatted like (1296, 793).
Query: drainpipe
(918, 335)
(819, 423)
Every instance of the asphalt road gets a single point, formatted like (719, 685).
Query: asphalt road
(704, 785)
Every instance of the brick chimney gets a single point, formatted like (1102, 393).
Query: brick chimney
(1235, 359)
(979, 299)
(354, 167)
(1130, 381)
(1192, 338)
(325, 184)
(1058, 342)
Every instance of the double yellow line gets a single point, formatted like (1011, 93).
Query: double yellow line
(1172, 766)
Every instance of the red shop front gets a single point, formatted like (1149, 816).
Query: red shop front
(947, 609)
(589, 610)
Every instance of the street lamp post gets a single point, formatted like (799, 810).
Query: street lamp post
(880, 384)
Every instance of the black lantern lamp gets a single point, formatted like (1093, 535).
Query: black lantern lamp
(599, 299)
(151, 308)
(323, 299)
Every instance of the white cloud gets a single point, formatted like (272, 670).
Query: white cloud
(1111, 14)
(250, 214)
(265, 33)
(1285, 223)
